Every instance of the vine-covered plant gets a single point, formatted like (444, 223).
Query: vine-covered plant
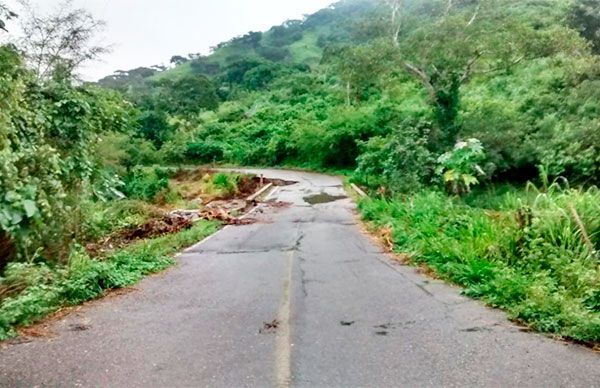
(48, 131)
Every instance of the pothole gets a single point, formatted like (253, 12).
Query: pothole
(322, 198)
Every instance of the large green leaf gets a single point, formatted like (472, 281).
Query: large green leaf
(30, 207)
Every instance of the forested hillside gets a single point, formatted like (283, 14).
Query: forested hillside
(473, 124)
(362, 80)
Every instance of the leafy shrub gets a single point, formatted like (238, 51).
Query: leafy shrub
(47, 151)
(228, 183)
(145, 183)
(121, 151)
(401, 161)
(103, 218)
(204, 152)
(275, 54)
(459, 168)
(154, 126)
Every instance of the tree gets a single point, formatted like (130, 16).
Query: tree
(395, 7)
(154, 126)
(47, 151)
(584, 16)
(203, 65)
(466, 38)
(360, 68)
(178, 60)
(234, 74)
(61, 41)
(187, 95)
(251, 39)
(5, 14)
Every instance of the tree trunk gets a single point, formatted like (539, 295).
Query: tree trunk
(7, 251)
(348, 93)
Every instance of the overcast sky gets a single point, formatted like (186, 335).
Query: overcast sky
(149, 32)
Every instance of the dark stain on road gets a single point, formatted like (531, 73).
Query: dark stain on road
(347, 323)
(269, 327)
(394, 325)
(322, 198)
(381, 333)
(476, 329)
(79, 327)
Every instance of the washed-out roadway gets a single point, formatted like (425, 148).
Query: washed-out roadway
(301, 298)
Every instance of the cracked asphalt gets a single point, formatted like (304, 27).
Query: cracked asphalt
(301, 298)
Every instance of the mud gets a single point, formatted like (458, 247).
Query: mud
(168, 224)
(154, 228)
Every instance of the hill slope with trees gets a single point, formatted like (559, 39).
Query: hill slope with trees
(517, 75)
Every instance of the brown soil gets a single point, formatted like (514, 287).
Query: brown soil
(170, 223)
(154, 228)
(166, 225)
(249, 185)
(222, 215)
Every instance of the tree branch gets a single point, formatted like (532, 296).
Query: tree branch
(448, 8)
(396, 20)
(474, 14)
(469, 67)
(423, 77)
(515, 61)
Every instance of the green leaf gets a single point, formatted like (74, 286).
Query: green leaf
(12, 196)
(16, 218)
(450, 176)
(469, 180)
(30, 207)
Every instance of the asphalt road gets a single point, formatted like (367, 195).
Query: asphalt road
(302, 298)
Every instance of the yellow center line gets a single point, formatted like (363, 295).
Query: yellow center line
(283, 340)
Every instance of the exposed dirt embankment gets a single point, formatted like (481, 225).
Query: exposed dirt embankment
(204, 195)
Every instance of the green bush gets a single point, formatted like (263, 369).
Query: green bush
(459, 168)
(228, 183)
(400, 161)
(145, 183)
(47, 151)
(100, 219)
(204, 152)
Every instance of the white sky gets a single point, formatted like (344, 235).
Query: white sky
(149, 32)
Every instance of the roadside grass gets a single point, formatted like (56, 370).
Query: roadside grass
(533, 253)
(31, 291)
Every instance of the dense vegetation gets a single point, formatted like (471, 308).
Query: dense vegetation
(442, 109)
(358, 89)
(61, 188)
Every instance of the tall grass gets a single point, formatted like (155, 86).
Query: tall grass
(533, 252)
